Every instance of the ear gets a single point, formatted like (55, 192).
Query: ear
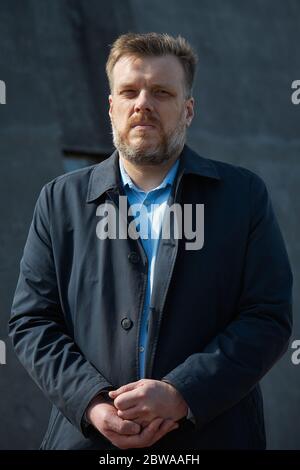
(189, 111)
(110, 99)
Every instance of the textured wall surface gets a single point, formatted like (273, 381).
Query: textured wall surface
(49, 59)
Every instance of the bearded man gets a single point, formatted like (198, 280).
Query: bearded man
(140, 342)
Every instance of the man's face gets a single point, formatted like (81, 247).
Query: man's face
(148, 108)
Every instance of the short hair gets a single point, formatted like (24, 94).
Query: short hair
(154, 44)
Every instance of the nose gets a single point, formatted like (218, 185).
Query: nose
(143, 102)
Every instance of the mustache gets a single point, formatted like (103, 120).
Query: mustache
(145, 120)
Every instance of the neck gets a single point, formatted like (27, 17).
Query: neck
(148, 177)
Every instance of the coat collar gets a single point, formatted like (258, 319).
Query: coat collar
(106, 175)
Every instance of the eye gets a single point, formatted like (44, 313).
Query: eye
(162, 92)
(128, 92)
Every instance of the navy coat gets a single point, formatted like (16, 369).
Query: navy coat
(220, 316)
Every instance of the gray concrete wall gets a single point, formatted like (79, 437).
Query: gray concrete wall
(244, 115)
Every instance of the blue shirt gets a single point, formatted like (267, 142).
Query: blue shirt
(154, 203)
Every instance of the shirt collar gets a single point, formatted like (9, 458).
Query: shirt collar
(106, 175)
(167, 181)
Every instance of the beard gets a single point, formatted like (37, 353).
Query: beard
(140, 153)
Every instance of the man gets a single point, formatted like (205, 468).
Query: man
(148, 342)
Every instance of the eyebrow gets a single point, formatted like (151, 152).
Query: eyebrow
(155, 85)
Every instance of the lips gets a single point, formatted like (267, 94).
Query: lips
(143, 124)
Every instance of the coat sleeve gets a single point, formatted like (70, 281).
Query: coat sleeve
(228, 368)
(39, 333)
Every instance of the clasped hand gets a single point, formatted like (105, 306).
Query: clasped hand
(141, 413)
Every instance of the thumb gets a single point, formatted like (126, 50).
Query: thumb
(125, 388)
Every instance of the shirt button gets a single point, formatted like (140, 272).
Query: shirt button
(126, 323)
(134, 257)
(141, 348)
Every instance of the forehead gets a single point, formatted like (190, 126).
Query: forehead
(163, 69)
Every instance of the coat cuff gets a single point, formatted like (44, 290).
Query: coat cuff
(189, 415)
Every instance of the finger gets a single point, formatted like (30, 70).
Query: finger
(127, 400)
(124, 388)
(131, 413)
(144, 439)
(149, 431)
(142, 421)
(166, 426)
(140, 440)
(121, 426)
